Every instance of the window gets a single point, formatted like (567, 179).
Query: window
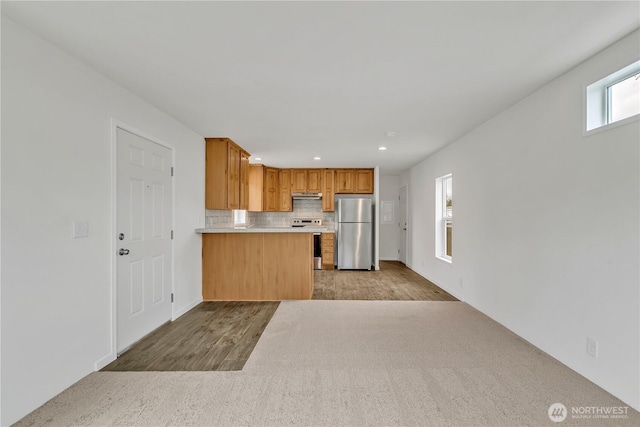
(444, 218)
(614, 99)
(623, 98)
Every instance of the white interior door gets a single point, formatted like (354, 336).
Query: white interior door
(402, 244)
(143, 228)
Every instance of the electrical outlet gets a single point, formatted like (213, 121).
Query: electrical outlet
(461, 282)
(421, 263)
(80, 228)
(592, 347)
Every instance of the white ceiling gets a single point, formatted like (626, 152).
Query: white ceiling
(292, 80)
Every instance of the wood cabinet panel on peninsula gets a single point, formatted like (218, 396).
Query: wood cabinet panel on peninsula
(257, 266)
(226, 187)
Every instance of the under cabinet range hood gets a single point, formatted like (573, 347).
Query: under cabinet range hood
(306, 196)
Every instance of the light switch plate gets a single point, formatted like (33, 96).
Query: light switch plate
(80, 228)
(592, 347)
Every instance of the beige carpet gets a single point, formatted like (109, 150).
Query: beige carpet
(339, 363)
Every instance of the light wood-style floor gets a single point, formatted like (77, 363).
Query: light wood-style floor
(394, 281)
(220, 336)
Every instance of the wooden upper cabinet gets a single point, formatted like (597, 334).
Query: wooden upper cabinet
(314, 181)
(256, 187)
(344, 181)
(244, 180)
(271, 193)
(223, 174)
(306, 180)
(284, 184)
(363, 181)
(298, 180)
(328, 190)
(354, 181)
(269, 189)
(263, 188)
(233, 181)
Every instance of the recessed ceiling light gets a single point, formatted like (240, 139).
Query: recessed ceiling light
(316, 158)
(390, 134)
(258, 158)
(382, 148)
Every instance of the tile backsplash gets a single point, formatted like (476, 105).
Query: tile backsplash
(301, 208)
(216, 218)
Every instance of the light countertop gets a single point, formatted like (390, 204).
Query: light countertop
(255, 229)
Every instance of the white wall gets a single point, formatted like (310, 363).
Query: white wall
(546, 231)
(56, 167)
(389, 185)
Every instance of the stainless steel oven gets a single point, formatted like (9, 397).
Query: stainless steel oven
(317, 251)
(317, 238)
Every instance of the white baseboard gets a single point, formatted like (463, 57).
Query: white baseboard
(389, 259)
(104, 361)
(453, 292)
(111, 356)
(186, 308)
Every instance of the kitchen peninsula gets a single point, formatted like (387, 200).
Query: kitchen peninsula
(268, 263)
(257, 264)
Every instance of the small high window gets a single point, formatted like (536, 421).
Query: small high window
(623, 98)
(614, 99)
(444, 218)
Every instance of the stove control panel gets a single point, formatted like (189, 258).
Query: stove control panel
(306, 222)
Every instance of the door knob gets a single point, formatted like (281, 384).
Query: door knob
(123, 251)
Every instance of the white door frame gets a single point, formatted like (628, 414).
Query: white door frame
(114, 126)
(404, 188)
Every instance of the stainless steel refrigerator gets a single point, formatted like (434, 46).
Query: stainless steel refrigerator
(353, 234)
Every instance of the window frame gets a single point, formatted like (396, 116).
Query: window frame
(442, 217)
(623, 77)
(597, 111)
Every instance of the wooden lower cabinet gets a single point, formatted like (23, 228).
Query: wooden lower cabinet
(328, 251)
(257, 266)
